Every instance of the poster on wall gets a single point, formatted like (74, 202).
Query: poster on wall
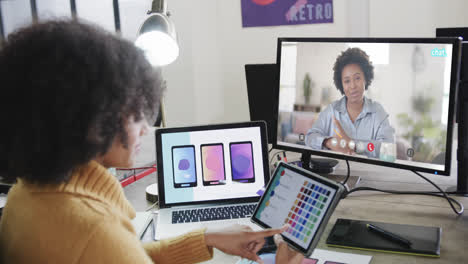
(259, 13)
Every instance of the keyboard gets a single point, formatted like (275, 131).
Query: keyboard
(213, 213)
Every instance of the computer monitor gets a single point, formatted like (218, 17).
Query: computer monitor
(382, 101)
(262, 83)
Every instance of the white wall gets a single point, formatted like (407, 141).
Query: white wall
(315, 59)
(415, 18)
(100, 12)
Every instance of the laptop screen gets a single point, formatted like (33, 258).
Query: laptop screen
(215, 163)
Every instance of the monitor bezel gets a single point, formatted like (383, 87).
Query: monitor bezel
(454, 79)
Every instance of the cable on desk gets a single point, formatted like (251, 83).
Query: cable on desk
(138, 168)
(270, 149)
(348, 174)
(436, 194)
(443, 194)
(346, 191)
(440, 194)
(275, 155)
(151, 206)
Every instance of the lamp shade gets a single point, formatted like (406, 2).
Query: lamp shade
(157, 38)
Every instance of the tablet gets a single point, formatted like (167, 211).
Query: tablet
(302, 199)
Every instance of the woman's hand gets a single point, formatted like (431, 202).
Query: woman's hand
(285, 254)
(240, 240)
(340, 135)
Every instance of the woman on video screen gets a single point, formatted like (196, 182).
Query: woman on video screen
(354, 123)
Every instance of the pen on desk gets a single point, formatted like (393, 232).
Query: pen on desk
(388, 235)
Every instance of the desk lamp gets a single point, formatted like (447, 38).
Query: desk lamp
(157, 36)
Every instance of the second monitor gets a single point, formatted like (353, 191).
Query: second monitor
(387, 102)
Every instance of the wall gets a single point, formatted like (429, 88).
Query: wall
(415, 18)
(318, 61)
(194, 93)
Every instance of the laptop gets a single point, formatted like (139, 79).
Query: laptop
(210, 175)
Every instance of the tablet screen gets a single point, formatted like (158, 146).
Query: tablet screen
(297, 198)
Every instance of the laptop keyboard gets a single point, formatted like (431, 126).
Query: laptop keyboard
(212, 214)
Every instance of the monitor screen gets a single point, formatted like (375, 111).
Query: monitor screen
(381, 101)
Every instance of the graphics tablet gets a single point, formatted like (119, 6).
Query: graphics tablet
(302, 199)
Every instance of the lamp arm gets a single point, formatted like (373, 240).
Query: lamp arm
(158, 6)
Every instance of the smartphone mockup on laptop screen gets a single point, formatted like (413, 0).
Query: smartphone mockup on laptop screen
(241, 158)
(213, 169)
(209, 175)
(302, 199)
(183, 158)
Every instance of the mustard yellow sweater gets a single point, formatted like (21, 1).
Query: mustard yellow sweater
(86, 220)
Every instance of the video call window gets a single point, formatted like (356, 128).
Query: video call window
(382, 101)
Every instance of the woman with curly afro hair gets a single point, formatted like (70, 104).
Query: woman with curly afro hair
(353, 123)
(76, 100)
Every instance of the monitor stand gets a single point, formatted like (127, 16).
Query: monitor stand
(324, 167)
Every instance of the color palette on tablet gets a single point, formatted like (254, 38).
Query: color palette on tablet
(307, 210)
(298, 201)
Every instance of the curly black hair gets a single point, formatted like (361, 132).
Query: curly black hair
(352, 56)
(68, 89)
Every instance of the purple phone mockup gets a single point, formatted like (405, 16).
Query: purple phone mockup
(242, 165)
